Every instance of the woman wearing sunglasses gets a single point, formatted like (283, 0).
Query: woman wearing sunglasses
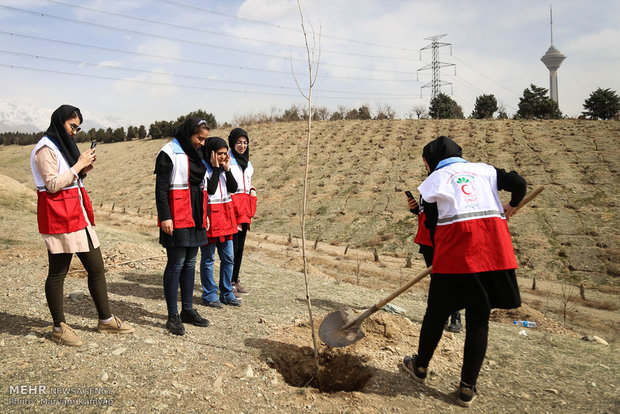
(66, 221)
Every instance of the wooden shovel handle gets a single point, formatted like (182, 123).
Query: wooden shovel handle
(529, 198)
(403, 288)
(357, 321)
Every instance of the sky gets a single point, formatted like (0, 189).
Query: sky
(135, 62)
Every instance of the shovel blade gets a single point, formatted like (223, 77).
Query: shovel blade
(333, 333)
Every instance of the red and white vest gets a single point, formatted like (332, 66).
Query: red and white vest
(220, 208)
(423, 236)
(472, 234)
(179, 196)
(60, 212)
(244, 203)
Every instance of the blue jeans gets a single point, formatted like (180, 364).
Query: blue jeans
(207, 260)
(180, 269)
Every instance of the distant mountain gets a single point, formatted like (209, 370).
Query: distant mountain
(20, 117)
(23, 118)
(18, 128)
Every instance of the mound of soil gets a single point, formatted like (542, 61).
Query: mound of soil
(525, 313)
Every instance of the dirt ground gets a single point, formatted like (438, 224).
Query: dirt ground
(258, 358)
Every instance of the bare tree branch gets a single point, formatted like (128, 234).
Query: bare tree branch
(295, 77)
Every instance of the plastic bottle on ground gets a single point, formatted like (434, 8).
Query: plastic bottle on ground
(527, 324)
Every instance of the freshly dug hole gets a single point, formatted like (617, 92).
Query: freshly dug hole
(339, 371)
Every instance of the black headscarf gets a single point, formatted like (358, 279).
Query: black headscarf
(244, 158)
(440, 149)
(59, 135)
(183, 134)
(212, 144)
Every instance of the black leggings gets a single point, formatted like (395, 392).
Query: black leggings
(54, 284)
(238, 245)
(448, 294)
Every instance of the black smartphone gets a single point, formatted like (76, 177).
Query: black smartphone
(93, 144)
(408, 194)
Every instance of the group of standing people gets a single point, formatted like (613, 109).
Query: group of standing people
(205, 199)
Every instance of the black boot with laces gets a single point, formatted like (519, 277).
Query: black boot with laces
(175, 326)
(191, 316)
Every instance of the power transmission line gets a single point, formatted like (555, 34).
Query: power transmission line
(262, 93)
(225, 48)
(213, 32)
(284, 27)
(175, 75)
(486, 77)
(193, 61)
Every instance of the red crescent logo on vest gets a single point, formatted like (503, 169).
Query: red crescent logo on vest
(463, 189)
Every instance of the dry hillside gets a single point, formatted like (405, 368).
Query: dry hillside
(257, 358)
(361, 168)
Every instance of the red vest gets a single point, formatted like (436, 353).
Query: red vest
(220, 209)
(60, 212)
(179, 197)
(423, 236)
(472, 235)
(243, 202)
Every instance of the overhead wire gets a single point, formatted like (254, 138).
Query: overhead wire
(226, 48)
(213, 32)
(262, 93)
(176, 3)
(195, 77)
(485, 76)
(193, 61)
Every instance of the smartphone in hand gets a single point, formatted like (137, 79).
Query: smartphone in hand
(93, 145)
(408, 194)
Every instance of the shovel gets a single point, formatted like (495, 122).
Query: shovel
(340, 328)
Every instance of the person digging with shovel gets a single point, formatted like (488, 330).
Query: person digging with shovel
(474, 262)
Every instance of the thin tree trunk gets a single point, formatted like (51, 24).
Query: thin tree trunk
(305, 200)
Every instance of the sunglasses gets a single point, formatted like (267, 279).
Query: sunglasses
(75, 128)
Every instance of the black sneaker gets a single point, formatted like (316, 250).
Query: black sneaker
(416, 372)
(231, 302)
(467, 393)
(175, 326)
(191, 316)
(455, 323)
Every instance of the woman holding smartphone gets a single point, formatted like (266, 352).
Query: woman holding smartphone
(66, 221)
